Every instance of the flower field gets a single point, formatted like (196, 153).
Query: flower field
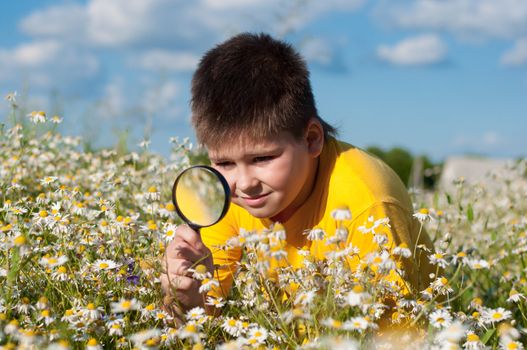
(82, 233)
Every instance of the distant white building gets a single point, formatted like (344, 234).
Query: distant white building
(472, 170)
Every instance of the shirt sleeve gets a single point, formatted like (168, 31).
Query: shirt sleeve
(401, 230)
(225, 259)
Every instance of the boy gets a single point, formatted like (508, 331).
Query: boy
(253, 108)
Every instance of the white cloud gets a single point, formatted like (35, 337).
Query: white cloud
(166, 60)
(317, 50)
(45, 64)
(161, 98)
(187, 24)
(31, 54)
(64, 22)
(471, 19)
(517, 55)
(420, 50)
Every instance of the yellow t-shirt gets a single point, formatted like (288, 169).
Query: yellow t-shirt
(347, 177)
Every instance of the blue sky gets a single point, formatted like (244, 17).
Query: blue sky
(438, 77)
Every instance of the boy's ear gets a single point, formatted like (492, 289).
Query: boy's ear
(314, 137)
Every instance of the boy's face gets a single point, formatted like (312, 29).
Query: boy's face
(270, 178)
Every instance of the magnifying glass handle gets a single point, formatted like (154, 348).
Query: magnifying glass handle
(194, 227)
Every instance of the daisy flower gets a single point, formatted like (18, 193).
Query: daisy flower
(190, 331)
(216, 302)
(441, 286)
(52, 261)
(232, 326)
(357, 296)
(332, 323)
(473, 342)
(125, 305)
(60, 274)
(315, 234)
(257, 336)
(195, 313)
(423, 215)
(170, 232)
(207, 284)
(438, 258)
(45, 316)
(37, 117)
(104, 265)
(341, 213)
(440, 318)
(200, 272)
(515, 296)
(48, 179)
(491, 316)
(356, 324)
(478, 264)
(92, 344)
(115, 326)
(92, 312)
(402, 250)
(56, 119)
(146, 339)
(152, 194)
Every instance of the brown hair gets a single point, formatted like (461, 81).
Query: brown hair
(252, 85)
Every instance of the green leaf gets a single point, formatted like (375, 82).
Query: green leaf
(494, 235)
(448, 198)
(470, 213)
(14, 267)
(488, 335)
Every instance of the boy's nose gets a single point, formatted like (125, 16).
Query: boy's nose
(246, 181)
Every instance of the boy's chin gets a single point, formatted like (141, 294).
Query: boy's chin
(261, 213)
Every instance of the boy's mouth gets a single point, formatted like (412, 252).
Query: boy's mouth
(255, 201)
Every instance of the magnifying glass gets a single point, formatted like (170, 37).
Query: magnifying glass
(201, 196)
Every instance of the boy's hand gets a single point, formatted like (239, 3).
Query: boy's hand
(185, 251)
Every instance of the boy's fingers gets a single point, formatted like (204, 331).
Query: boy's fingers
(190, 236)
(180, 267)
(179, 283)
(184, 251)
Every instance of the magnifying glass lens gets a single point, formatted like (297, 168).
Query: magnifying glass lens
(201, 196)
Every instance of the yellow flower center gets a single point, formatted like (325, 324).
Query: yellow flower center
(358, 289)
(20, 240)
(497, 315)
(190, 328)
(472, 337)
(45, 313)
(202, 269)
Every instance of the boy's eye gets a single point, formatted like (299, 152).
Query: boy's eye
(263, 159)
(223, 164)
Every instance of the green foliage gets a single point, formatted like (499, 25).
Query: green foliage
(402, 162)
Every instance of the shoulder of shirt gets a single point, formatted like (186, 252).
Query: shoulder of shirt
(362, 176)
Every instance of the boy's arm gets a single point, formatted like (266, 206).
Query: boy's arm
(225, 260)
